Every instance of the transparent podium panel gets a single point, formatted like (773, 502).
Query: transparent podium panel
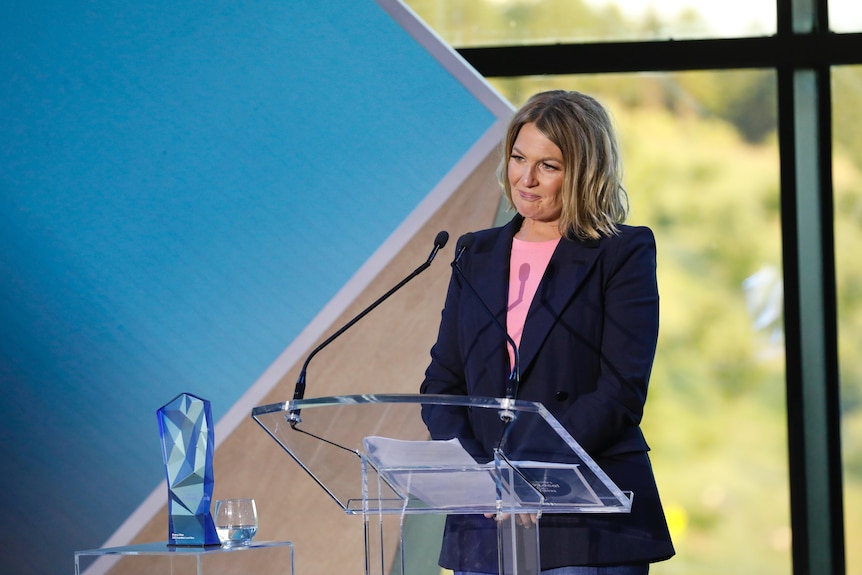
(387, 457)
(373, 453)
(276, 557)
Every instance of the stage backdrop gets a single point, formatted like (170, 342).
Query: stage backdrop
(189, 193)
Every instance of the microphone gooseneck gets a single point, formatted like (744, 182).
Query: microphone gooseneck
(513, 381)
(299, 390)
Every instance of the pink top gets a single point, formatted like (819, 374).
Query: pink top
(527, 265)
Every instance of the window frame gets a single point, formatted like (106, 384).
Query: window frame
(802, 52)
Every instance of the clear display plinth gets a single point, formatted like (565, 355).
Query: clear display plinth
(186, 560)
(372, 455)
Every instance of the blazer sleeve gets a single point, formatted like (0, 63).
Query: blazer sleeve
(606, 419)
(445, 374)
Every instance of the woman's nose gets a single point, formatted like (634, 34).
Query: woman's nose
(527, 176)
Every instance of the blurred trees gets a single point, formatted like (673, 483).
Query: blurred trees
(701, 160)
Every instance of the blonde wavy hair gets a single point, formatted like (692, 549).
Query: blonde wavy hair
(594, 200)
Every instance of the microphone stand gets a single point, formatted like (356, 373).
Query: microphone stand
(299, 391)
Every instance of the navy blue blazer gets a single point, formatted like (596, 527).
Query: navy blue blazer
(586, 353)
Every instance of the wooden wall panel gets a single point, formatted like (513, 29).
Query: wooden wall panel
(386, 352)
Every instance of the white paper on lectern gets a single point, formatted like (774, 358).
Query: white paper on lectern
(409, 467)
(390, 452)
(438, 472)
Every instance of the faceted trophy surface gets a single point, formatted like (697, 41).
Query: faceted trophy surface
(188, 439)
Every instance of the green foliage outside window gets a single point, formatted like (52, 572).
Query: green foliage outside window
(701, 167)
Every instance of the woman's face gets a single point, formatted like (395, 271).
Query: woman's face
(536, 175)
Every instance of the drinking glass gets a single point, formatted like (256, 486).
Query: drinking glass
(235, 521)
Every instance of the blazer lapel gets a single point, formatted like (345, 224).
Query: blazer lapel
(564, 278)
(490, 278)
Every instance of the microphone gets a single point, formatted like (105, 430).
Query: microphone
(299, 391)
(513, 381)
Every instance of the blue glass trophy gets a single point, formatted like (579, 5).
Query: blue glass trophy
(188, 438)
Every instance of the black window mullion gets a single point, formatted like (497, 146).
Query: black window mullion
(802, 52)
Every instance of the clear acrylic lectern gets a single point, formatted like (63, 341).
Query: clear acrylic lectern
(373, 456)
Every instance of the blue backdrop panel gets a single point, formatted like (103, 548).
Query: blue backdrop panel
(183, 186)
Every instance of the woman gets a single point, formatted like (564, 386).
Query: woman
(577, 293)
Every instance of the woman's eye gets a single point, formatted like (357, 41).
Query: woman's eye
(550, 167)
